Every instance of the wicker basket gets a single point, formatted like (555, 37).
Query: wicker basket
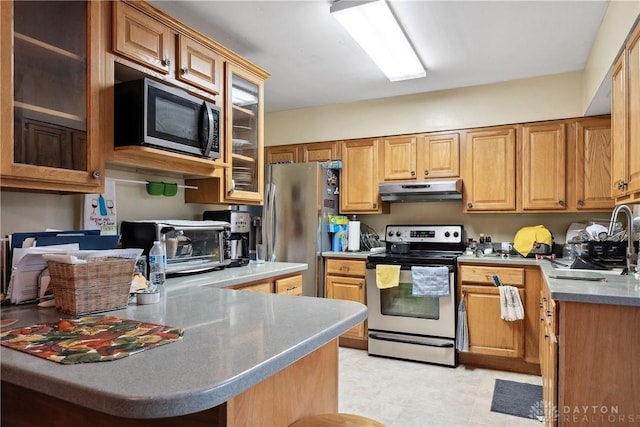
(102, 284)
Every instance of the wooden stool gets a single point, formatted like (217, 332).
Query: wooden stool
(336, 420)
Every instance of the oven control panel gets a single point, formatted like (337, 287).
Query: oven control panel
(424, 233)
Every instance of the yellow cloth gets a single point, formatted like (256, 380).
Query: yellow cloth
(526, 237)
(387, 276)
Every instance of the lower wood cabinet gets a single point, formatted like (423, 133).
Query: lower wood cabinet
(345, 279)
(291, 285)
(493, 342)
(548, 355)
(588, 357)
(488, 333)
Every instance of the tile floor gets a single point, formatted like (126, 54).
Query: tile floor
(410, 394)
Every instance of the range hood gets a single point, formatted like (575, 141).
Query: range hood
(422, 191)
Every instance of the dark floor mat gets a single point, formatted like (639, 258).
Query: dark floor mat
(519, 399)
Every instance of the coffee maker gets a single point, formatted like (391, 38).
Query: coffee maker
(240, 231)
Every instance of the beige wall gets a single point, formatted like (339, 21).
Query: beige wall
(544, 98)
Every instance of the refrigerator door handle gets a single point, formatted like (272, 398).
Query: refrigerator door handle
(273, 214)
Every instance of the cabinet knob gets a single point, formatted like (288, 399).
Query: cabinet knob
(375, 206)
(96, 174)
(184, 71)
(580, 202)
(426, 172)
(413, 173)
(166, 62)
(361, 284)
(469, 205)
(561, 202)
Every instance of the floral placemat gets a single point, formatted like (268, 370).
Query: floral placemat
(89, 338)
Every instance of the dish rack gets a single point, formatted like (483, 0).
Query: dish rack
(100, 284)
(369, 238)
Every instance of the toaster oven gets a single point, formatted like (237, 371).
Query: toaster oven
(191, 246)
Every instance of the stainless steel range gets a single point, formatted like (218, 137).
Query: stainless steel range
(405, 326)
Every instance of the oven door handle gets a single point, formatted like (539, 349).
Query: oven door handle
(407, 341)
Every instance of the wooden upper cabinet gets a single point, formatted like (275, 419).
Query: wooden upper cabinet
(282, 154)
(399, 157)
(52, 68)
(625, 122)
(619, 166)
(544, 166)
(439, 156)
(244, 118)
(359, 178)
(143, 39)
(320, 151)
(633, 114)
(592, 165)
(199, 65)
(490, 170)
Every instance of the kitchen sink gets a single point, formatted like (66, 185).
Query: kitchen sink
(613, 271)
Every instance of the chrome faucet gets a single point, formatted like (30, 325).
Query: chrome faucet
(632, 257)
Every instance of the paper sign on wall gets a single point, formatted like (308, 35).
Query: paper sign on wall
(99, 210)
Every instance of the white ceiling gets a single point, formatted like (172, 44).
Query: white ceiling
(314, 62)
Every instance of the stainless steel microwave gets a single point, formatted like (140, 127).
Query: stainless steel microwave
(154, 114)
(192, 246)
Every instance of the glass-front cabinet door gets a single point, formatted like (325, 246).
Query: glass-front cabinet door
(244, 136)
(49, 96)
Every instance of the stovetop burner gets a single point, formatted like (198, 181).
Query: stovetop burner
(428, 244)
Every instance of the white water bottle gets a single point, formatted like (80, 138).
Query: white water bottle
(157, 262)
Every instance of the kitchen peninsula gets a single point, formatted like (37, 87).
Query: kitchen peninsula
(245, 359)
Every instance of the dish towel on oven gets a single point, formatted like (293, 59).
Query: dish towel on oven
(387, 276)
(510, 304)
(430, 281)
(462, 334)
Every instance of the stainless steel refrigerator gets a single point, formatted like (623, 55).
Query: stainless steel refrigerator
(298, 199)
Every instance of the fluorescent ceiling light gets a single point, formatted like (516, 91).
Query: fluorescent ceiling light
(374, 27)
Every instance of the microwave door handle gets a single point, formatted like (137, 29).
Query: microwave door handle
(208, 142)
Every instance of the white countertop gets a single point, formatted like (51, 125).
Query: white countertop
(232, 341)
(615, 289)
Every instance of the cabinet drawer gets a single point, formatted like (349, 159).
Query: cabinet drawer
(346, 267)
(289, 285)
(482, 274)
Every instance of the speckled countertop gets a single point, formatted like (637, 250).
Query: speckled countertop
(235, 276)
(232, 341)
(615, 289)
(357, 255)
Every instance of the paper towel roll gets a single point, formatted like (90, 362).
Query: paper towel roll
(354, 235)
